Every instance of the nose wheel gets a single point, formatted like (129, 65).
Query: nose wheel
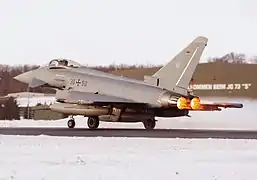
(71, 123)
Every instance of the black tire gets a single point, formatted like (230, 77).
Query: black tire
(93, 122)
(71, 123)
(149, 124)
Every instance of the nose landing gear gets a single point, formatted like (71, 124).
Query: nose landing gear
(71, 123)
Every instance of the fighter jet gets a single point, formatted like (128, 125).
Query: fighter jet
(102, 96)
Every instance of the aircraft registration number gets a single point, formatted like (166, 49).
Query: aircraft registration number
(78, 82)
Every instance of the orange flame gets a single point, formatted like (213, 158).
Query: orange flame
(183, 103)
(195, 103)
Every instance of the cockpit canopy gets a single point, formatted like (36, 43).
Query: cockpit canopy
(63, 64)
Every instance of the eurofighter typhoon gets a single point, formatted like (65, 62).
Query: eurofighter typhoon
(105, 97)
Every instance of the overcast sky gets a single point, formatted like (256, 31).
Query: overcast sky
(100, 32)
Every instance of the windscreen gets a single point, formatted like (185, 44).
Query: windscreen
(63, 63)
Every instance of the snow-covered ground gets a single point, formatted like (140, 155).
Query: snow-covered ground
(42, 157)
(47, 158)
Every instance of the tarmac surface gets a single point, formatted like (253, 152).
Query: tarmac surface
(135, 133)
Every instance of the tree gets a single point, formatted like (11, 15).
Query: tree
(232, 57)
(238, 58)
(253, 60)
(10, 109)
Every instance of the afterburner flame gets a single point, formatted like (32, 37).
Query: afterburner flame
(182, 103)
(195, 103)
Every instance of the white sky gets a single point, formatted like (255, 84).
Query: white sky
(101, 32)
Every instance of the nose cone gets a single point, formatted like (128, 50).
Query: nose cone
(25, 77)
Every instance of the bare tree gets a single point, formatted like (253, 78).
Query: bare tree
(253, 60)
(238, 58)
(232, 57)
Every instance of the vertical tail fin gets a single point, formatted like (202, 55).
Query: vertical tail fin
(178, 72)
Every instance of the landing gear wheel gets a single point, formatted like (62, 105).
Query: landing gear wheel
(149, 124)
(93, 122)
(71, 123)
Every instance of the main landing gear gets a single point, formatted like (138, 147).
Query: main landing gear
(92, 122)
(149, 123)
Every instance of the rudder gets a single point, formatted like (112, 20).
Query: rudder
(177, 73)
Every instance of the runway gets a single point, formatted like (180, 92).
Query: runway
(135, 133)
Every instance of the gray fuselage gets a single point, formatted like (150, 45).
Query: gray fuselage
(102, 83)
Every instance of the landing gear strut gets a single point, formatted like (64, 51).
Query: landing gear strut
(149, 123)
(71, 123)
(93, 122)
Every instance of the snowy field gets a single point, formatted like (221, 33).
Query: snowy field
(51, 158)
